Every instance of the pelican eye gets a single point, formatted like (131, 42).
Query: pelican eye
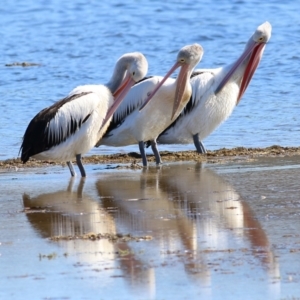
(261, 39)
(133, 73)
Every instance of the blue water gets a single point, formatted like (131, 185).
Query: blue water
(78, 42)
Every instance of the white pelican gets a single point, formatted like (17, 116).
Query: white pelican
(131, 124)
(216, 92)
(72, 126)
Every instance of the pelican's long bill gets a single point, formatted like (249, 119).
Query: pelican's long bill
(182, 81)
(119, 95)
(253, 62)
(180, 88)
(253, 53)
(172, 70)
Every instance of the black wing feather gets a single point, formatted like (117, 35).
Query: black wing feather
(36, 138)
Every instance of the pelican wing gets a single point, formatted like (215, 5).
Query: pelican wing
(202, 81)
(56, 123)
(133, 101)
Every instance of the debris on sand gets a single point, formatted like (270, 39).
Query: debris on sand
(134, 158)
(99, 236)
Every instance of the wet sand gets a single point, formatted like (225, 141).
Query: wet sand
(167, 156)
(225, 225)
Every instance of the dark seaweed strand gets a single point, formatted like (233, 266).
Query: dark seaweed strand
(36, 138)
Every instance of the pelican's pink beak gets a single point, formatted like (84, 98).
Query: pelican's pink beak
(119, 95)
(180, 87)
(252, 65)
(182, 81)
(253, 53)
(172, 70)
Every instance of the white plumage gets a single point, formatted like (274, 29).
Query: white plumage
(216, 92)
(73, 125)
(95, 105)
(131, 124)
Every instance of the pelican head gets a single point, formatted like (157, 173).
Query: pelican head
(187, 59)
(130, 68)
(262, 33)
(137, 66)
(251, 57)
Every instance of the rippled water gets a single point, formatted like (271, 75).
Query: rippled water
(78, 42)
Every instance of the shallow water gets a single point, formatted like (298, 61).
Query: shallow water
(220, 231)
(227, 231)
(78, 42)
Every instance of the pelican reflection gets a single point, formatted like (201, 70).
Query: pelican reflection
(70, 213)
(188, 210)
(198, 221)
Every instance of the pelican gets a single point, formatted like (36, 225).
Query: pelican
(138, 120)
(216, 92)
(72, 126)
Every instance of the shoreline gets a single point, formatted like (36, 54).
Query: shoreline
(167, 156)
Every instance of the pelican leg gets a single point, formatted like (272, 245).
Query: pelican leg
(71, 168)
(155, 151)
(80, 166)
(198, 144)
(143, 154)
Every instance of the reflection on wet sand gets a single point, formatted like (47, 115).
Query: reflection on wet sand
(71, 213)
(74, 213)
(222, 220)
(188, 209)
(199, 224)
(215, 207)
